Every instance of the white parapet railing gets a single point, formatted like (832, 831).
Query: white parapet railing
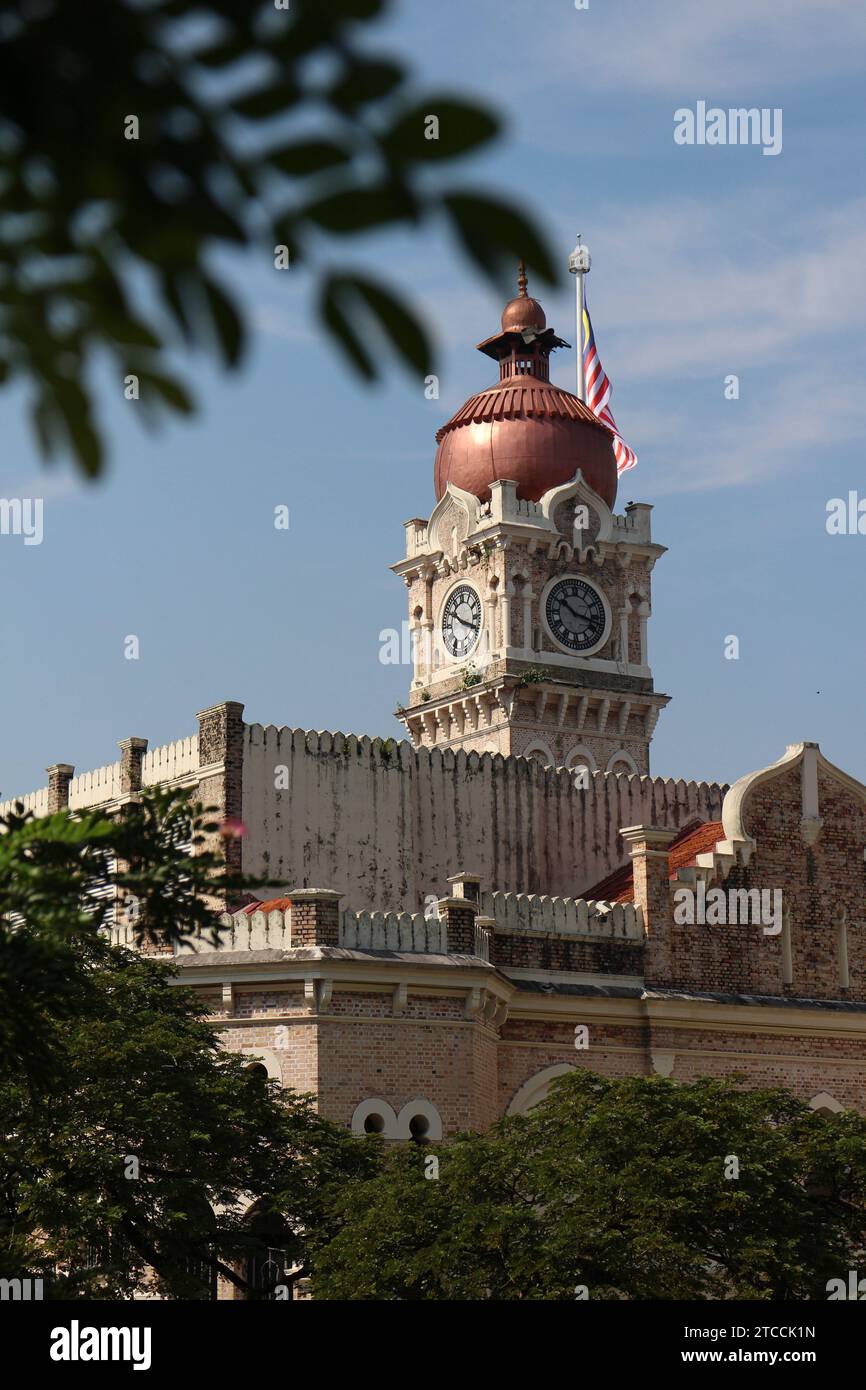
(37, 802)
(522, 914)
(393, 931)
(530, 914)
(246, 931)
(371, 931)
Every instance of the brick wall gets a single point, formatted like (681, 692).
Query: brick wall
(818, 883)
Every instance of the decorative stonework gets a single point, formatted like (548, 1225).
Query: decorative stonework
(520, 690)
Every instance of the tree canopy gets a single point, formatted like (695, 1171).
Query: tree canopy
(612, 1189)
(133, 1142)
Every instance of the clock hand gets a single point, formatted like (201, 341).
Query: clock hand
(567, 605)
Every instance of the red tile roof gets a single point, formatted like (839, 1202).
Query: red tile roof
(696, 838)
(272, 905)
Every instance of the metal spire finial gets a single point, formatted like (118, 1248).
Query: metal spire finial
(521, 279)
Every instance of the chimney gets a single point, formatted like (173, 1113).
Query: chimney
(459, 915)
(221, 763)
(59, 777)
(132, 751)
(315, 917)
(466, 886)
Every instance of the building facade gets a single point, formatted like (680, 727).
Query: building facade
(460, 917)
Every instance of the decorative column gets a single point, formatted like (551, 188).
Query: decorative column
(507, 596)
(623, 635)
(416, 646)
(649, 846)
(527, 621)
(491, 598)
(643, 613)
(842, 948)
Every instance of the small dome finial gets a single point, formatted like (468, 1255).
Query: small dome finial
(521, 279)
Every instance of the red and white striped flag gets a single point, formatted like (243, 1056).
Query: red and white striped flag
(598, 395)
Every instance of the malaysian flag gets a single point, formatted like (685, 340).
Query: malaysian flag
(598, 396)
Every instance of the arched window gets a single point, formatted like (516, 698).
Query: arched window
(623, 763)
(579, 757)
(264, 1059)
(273, 1261)
(540, 753)
(375, 1116)
(420, 1121)
(535, 1090)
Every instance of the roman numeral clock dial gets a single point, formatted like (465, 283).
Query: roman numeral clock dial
(461, 620)
(576, 615)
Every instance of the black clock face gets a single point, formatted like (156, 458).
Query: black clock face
(575, 614)
(461, 621)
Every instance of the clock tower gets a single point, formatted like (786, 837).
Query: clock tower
(529, 596)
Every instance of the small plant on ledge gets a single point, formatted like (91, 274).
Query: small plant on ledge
(425, 696)
(532, 676)
(470, 676)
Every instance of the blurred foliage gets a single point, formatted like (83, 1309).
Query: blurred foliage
(59, 877)
(257, 127)
(619, 1188)
(105, 1058)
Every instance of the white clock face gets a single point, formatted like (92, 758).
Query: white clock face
(575, 614)
(461, 620)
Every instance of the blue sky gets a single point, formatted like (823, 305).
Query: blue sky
(707, 261)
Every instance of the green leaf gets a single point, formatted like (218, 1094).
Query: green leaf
(405, 331)
(308, 157)
(459, 127)
(128, 331)
(268, 101)
(359, 209)
(47, 424)
(231, 51)
(86, 443)
(169, 389)
(495, 236)
(341, 328)
(174, 288)
(226, 322)
(366, 81)
(406, 334)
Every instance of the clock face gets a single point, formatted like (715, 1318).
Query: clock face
(575, 614)
(461, 620)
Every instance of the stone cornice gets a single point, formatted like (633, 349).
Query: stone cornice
(691, 1015)
(346, 969)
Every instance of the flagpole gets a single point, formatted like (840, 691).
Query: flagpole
(579, 263)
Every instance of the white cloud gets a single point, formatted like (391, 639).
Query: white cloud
(688, 288)
(676, 47)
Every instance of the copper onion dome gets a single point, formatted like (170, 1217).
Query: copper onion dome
(524, 428)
